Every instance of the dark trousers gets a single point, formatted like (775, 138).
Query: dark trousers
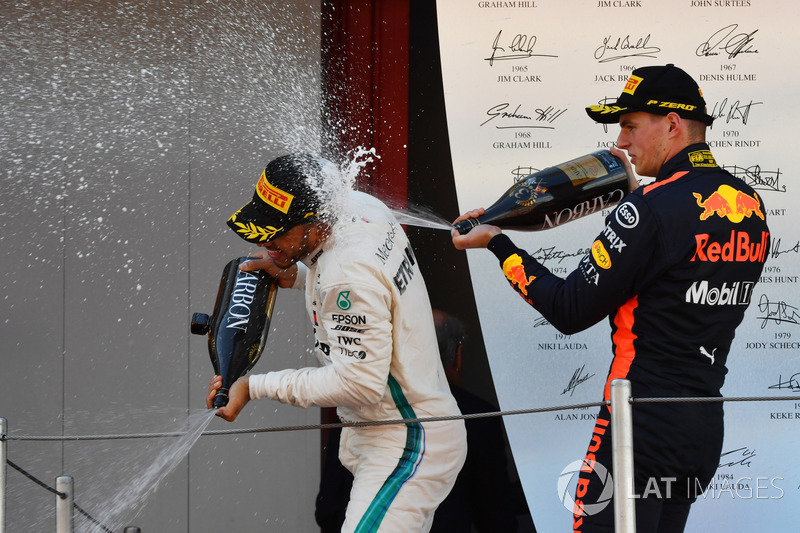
(676, 452)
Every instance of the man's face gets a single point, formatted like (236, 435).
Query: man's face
(292, 246)
(645, 137)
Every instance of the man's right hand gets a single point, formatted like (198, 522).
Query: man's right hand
(262, 261)
(633, 183)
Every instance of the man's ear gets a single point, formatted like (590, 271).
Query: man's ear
(675, 123)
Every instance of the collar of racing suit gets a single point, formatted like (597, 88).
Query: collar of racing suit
(683, 161)
(314, 256)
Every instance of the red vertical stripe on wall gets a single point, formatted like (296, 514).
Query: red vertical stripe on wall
(365, 69)
(365, 54)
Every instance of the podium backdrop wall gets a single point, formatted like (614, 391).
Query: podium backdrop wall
(517, 76)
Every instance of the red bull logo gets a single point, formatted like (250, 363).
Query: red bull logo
(515, 273)
(739, 248)
(727, 202)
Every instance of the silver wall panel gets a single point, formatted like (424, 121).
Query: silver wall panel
(130, 132)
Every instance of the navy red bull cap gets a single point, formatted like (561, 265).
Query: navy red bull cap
(659, 90)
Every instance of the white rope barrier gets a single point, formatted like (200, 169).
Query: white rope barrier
(621, 423)
(387, 422)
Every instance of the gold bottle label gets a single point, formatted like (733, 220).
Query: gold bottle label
(583, 169)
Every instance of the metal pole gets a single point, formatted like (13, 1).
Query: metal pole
(64, 506)
(3, 456)
(622, 456)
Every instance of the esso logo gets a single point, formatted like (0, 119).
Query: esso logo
(627, 216)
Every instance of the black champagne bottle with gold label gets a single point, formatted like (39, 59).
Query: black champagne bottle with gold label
(238, 328)
(557, 195)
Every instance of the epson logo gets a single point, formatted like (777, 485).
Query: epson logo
(349, 319)
(737, 293)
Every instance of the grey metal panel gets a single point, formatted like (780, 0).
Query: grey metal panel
(125, 359)
(257, 92)
(130, 132)
(31, 254)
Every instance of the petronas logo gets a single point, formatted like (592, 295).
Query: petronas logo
(343, 300)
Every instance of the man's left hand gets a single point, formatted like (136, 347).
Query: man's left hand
(238, 396)
(477, 237)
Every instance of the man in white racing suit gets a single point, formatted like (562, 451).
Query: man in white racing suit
(374, 337)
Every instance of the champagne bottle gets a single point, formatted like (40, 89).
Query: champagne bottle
(557, 195)
(238, 328)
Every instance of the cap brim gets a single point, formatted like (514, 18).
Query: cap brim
(253, 225)
(608, 114)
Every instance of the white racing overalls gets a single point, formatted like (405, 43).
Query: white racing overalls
(376, 342)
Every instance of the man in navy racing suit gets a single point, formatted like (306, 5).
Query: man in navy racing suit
(673, 270)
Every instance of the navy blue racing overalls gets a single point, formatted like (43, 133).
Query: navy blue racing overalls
(673, 270)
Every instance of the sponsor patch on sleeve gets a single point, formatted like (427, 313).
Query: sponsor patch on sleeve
(515, 273)
(600, 255)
